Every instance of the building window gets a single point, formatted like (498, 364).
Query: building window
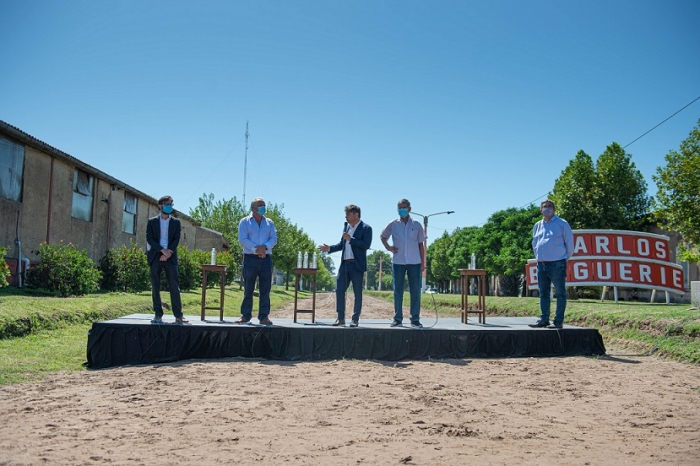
(82, 195)
(129, 217)
(11, 170)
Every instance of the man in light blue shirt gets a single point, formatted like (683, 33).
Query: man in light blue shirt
(553, 244)
(258, 235)
(408, 259)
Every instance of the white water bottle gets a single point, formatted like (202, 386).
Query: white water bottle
(306, 260)
(213, 256)
(313, 261)
(299, 260)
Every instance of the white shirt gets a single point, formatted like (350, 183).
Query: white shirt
(406, 237)
(164, 223)
(347, 252)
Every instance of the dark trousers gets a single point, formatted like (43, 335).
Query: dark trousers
(255, 268)
(171, 274)
(348, 273)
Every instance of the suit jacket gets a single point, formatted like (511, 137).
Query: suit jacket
(359, 243)
(153, 238)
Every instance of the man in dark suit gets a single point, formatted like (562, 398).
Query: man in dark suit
(162, 237)
(356, 240)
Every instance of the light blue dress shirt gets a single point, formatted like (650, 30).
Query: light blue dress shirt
(553, 240)
(250, 234)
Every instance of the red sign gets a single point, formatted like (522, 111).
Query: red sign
(619, 258)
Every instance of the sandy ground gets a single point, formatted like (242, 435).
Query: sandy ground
(612, 410)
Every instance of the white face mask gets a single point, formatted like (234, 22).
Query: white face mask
(547, 211)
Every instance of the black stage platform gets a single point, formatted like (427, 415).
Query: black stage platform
(134, 340)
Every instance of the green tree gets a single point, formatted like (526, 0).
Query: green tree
(574, 192)
(677, 203)
(290, 241)
(621, 196)
(438, 261)
(222, 216)
(461, 249)
(504, 244)
(373, 260)
(324, 279)
(328, 262)
(612, 195)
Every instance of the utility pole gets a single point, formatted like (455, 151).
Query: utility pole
(381, 260)
(425, 244)
(245, 172)
(245, 163)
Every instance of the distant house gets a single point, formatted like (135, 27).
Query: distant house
(49, 196)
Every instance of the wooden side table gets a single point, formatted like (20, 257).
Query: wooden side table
(480, 276)
(213, 268)
(298, 273)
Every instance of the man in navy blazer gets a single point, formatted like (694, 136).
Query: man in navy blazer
(162, 238)
(356, 240)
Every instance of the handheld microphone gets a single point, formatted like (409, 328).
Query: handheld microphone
(345, 227)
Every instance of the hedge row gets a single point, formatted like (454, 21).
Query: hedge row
(67, 271)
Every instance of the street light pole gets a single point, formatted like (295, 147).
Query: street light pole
(425, 243)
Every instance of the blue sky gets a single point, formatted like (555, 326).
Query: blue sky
(471, 106)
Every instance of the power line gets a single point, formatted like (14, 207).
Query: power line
(652, 129)
(637, 139)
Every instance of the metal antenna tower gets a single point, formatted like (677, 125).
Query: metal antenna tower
(245, 163)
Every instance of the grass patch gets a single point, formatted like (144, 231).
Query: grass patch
(33, 357)
(671, 330)
(23, 312)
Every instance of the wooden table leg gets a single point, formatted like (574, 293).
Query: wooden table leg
(296, 294)
(223, 288)
(204, 291)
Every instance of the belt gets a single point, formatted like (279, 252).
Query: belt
(549, 262)
(252, 255)
(348, 260)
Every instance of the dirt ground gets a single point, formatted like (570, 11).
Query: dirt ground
(616, 409)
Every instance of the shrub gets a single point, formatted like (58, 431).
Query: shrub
(65, 270)
(232, 263)
(188, 268)
(510, 284)
(125, 269)
(4, 268)
(108, 267)
(222, 258)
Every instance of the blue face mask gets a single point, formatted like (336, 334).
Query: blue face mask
(167, 209)
(261, 210)
(403, 213)
(547, 211)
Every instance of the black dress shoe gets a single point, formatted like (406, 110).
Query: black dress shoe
(339, 323)
(354, 323)
(555, 325)
(539, 324)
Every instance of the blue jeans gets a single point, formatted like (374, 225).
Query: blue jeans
(348, 273)
(548, 274)
(399, 272)
(261, 269)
